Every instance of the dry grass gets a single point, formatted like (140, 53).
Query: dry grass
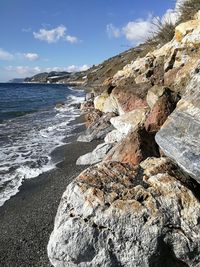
(188, 9)
(163, 33)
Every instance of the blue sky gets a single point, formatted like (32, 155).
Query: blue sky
(41, 35)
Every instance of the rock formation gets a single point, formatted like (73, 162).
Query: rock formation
(179, 137)
(98, 129)
(140, 205)
(95, 156)
(140, 216)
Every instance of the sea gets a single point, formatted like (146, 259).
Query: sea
(32, 125)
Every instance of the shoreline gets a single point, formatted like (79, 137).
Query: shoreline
(27, 219)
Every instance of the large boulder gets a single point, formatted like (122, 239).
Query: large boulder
(99, 101)
(154, 93)
(137, 146)
(129, 121)
(138, 67)
(179, 138)
(110, 105)
(113, 215)
(98, 130)
(95, 156)
(114, 136)
(130, 96)
(187, 31)
(160, 111)
(92, 117)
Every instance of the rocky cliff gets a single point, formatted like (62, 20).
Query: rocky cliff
(137, 204)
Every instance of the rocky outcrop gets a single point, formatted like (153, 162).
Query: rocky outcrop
(92, 117)
(154, 93)
(136, 208)
(111, 105)
(95, 156)
(130, 96)
(114, 137)
(179, 136)
(129, 121)
(140, 216)
(160, 112)
(137, 146)
(188, 32)
(99, 101)
(98, 129)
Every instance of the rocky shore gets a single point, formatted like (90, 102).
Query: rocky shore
(137, 204)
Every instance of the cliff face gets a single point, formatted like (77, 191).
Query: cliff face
(140, 205)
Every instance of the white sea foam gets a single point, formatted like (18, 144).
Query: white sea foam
(27, 142)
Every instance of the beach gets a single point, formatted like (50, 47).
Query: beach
(27, 219)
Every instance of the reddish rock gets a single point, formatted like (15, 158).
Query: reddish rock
(159, 113)
(131, 96)
(170, 77)
(137, 146)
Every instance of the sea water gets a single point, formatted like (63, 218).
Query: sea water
(31, 127)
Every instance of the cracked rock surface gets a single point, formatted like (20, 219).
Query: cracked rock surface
(179, 136)
(114, 214)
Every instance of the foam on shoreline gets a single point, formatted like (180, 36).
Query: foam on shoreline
(27, 143)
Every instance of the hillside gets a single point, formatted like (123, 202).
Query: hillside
(96, 75)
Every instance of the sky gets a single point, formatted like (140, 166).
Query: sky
(71, 35)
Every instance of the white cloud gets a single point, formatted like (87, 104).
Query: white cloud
(113, 31)
(51, 36)
(54, 35)
(137, 31)
(71, 39)
(172, 15)
(4, 55)
(31, 56)
(74, 68)
(24, 71)
(84, 67)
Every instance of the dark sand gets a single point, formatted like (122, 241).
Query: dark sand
(26, 220)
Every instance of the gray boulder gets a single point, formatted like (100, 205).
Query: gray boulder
(179, 137)
(98, 130)
(113, 215)
(95, 156)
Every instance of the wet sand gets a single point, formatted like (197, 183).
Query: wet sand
(26, 220)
